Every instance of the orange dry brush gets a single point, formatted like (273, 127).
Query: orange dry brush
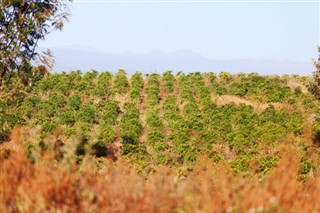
(26, 187)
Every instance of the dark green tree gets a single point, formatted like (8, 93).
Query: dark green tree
(22, 24)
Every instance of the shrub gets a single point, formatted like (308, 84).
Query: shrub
(102, 86)
(305, 167)
(75, 101)
(49, 126)
(168, 80)
(107, 134)
(153, 120)
(49, 82)
(29, 104)
(164, 159)
(4, 130)
(67, 116)
(108, 112)
(136, 83)
(267, 163)
(86, 113)
(120, 83)
(237, 89)
(64, 85)
(155, 137)
(240, 165)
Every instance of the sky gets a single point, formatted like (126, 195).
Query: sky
(217, 30)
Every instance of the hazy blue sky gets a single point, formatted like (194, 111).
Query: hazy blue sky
(256, 30)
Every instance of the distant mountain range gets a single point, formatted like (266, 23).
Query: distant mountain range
(83, 58)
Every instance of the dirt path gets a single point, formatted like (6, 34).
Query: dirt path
(258, 106)
(177, 94)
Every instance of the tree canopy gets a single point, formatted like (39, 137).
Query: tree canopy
(22, 24)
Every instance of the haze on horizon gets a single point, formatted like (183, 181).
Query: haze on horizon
(219, 31)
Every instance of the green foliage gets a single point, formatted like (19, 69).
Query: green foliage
(152, 90)
(87, 82)
(4, 130)
(130, 129)
(225, 77)
(64, 85)
(240, 165)
(267, 163)
(218, 89)
(155, 137)
(178, 127)
(164, 159)
(109, 111)
(120, 83)
(241, 144)
(50, 106)
(305, 168)
(237, 89)
(87, 113)
(75, 101)
(136, 83)
(153, 119)
(67, 116)
(31, 152)
(101, 88)
(49, 126)
(107, 134)
(30, 105)
(49, 83)
(253, 86)
(168, 80)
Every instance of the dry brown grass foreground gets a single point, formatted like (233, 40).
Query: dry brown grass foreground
(46, 187)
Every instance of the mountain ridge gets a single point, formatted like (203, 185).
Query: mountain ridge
(78, 57)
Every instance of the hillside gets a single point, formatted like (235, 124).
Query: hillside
(73, 57)
(246, 130)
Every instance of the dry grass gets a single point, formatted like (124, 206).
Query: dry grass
(293, 83)
(258, 106)
(47, 187)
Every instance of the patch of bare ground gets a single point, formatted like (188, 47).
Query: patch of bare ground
(121, 99)
(17, 136)
(294, 83)
(258, 106)
(177, 94)
(14, 139)
(208, 84)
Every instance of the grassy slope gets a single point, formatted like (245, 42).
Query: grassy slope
(184, 129)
